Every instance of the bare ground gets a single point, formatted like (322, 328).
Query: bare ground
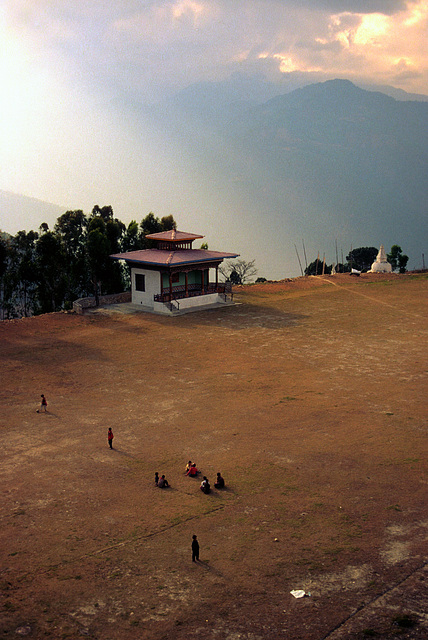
(308, 395)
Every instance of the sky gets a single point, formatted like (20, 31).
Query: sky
(73, 74)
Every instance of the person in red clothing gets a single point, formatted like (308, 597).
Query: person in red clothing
(43, 405)
(110, 437)
(192, 472)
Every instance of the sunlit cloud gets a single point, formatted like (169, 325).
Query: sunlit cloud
(371, 29)
(188, 8)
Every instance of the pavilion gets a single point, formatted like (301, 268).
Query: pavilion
(173, 277)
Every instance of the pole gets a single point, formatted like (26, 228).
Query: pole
(304, 253)
(301, 270)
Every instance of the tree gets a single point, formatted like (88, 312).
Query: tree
(238, 271)
(131, 239)
(106, 212)
(315, 268)
(362, 258)
(168, 223)
(342, 268)
(3, 268)
(113, 281)
(50, 272)
(21, 289)
(397, 259)
(151, 224)
(72, 227)
(98, 253)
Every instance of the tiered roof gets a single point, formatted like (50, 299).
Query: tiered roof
(174, 249)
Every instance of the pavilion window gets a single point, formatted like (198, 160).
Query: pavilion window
(140, 282)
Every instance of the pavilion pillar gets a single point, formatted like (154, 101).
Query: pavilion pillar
(216, 278)
(186, 276)
(170, 285)
(203, 280)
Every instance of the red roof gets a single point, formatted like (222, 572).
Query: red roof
(166, 258)
(173, 236)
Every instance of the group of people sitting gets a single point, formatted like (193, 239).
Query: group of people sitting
(161, 482)
(192, 471)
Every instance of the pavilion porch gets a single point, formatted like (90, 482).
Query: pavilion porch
(182, 291)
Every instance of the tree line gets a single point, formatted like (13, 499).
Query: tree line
(45, 271)
(360, 259)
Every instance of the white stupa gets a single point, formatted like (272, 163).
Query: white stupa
(381, 264)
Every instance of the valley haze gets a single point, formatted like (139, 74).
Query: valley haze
(328, 163)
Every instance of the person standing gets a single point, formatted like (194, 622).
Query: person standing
(195, 548)
(43, 405)
(110, 437)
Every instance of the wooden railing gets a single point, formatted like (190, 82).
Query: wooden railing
(179, 291)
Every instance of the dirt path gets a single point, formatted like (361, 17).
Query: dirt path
(355, 291)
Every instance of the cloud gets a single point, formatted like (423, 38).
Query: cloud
(156, 47)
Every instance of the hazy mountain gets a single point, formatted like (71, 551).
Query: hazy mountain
(398, 94)
(326, 162)
(18, 213)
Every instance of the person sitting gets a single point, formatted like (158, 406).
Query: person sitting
(192, 472)
(156, 478)
(163, 482)
(188, 465)
(205, 485)
(219, 483)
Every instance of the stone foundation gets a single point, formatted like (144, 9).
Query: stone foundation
(80, 305)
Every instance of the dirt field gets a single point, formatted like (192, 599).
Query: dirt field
(310, 396)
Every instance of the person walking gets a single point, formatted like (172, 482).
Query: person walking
(43, 405)
(195, 548)
(110, 437)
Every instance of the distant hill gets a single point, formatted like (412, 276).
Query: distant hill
(18, 213)
(326, 162)
(329, 163)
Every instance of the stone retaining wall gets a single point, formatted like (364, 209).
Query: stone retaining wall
(80, 305)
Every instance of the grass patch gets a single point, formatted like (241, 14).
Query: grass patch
(289, 489)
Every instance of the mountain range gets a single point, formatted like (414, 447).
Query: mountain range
(328, 165)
